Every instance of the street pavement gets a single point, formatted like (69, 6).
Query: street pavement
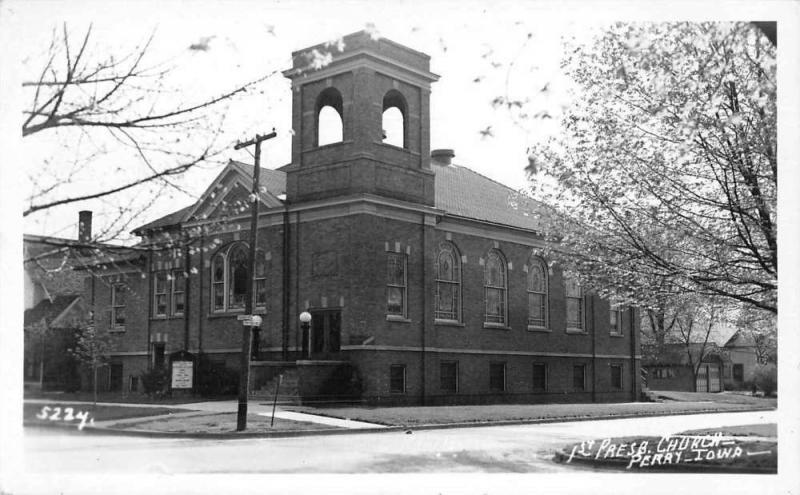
(496, 449)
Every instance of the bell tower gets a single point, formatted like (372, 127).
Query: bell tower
(361, 121)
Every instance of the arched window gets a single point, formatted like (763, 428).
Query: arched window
(237, 276)
(261, 282)
(574, 295)
(537, 293)
(218, 282)
(394, 119)
(448, 283)
(495, 288)
(330, 117)
(615, 319)
(230, 276)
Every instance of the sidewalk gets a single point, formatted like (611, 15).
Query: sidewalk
(265, 410)
(100, 403)
(217, 419)
(325, 420)
(211, 409)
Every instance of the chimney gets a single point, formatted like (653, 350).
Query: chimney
(442, 156)
(85, 226)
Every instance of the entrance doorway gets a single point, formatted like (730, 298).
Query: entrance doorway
(708, 378)
(323, 341)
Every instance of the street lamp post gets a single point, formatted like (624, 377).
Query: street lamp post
(305, 319)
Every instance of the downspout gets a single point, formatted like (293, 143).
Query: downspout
(187, 267)
(297, 284)
(201, 270)
(286, 286)
(424, 293)
(148, 277)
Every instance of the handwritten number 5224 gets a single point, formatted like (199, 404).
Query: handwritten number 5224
(54, 414)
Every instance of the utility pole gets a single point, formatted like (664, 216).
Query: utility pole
(244, 375)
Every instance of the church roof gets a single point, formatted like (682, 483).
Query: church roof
(460, 192)
(465, 193)
(271, 181)
(173, 218)
(50, 310)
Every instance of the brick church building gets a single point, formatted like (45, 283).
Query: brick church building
(422, 277)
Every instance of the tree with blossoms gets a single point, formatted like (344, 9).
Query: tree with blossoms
(663, 180)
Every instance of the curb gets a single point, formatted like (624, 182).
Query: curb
(346, 431)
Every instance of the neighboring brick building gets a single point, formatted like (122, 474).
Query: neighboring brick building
(420, 274)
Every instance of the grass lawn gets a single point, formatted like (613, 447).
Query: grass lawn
(721, 397)
(99, 413)
(407, 416)
(769, 430)
(115, 397)
(221, 423)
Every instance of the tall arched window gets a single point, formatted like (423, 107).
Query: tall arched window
(218, 282)
(330, 117)
(537, 294)
(237, 276)
(261, 282)
(230, 276)
(495, 288)
(394, 119)
(575, 310)
(448, 283)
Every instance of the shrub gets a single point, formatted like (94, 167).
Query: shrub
(155, 382)
(766, 379)
(215, 378)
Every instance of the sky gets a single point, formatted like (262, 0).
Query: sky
(480, 50)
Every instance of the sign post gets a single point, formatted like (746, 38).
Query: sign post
(181, 372)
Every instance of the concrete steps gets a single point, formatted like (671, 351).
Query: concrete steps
(288, 392)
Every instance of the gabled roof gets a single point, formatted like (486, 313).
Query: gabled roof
(272, 182)
(465, 193)
(51, 311)
(740, 339)
(173, 218)
(460, 192)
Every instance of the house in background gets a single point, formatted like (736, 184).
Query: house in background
(54, 307)
(670, 367)
(423, 280)
(48, 268)
(743, 360)
(50, 331)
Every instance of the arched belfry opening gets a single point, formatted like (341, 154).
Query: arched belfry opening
(330, 117)
(393, 122)
(361, 122)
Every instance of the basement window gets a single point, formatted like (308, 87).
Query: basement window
(397, 379)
